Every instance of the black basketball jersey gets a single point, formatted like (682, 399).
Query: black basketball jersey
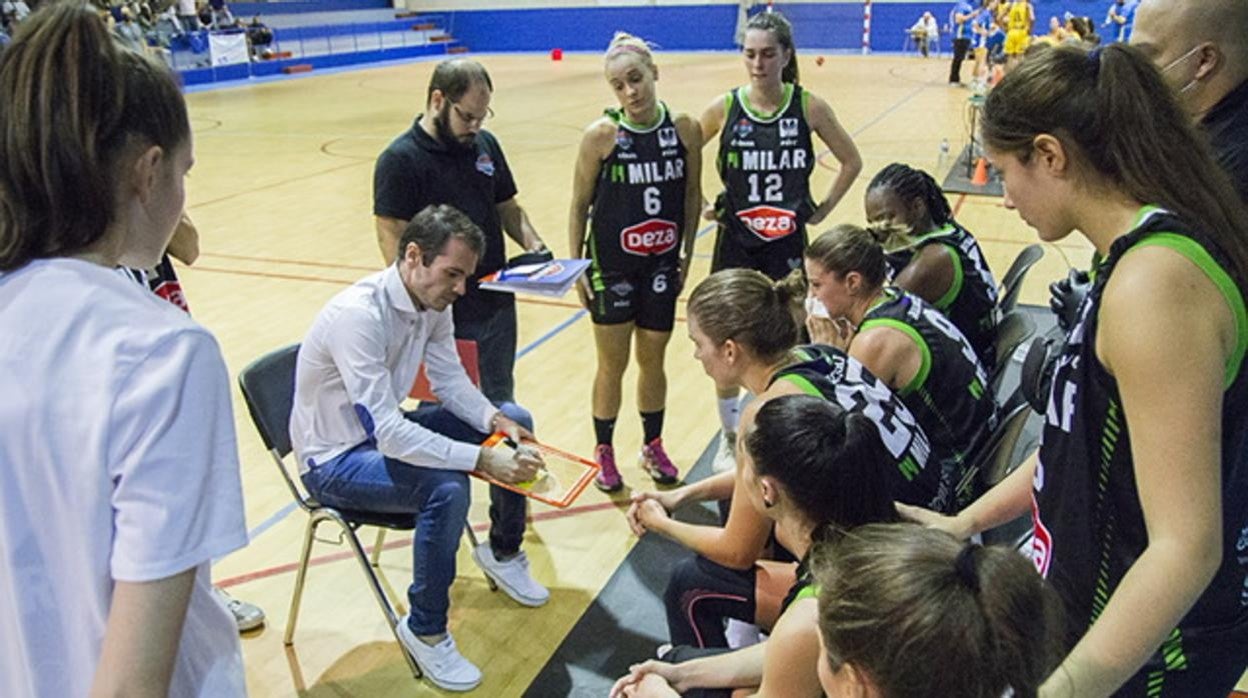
(971, 300)
(639, 199)
(765, 164)
(949, 395)
(1088, 522)
(830, 373)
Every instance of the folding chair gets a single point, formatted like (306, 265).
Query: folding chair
(1012, 282)
(1012, 330)
(268, 386)
(992, 460)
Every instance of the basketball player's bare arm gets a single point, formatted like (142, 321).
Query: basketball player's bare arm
(1005, 502)
(184, 245)
(141, 637)
(1174, 417)
(389, 230)
(690, 132)
(823, 122)
(930, 274)
(712, 121)
(596, 145)
(889, 354)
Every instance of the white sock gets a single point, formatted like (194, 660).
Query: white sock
(729, 414)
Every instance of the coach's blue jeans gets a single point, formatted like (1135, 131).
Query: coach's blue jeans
(364, 480)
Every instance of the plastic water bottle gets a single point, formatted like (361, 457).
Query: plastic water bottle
(943, 159)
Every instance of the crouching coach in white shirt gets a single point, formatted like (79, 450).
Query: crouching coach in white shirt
(358, 450)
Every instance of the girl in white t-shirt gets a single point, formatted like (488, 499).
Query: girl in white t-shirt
(118, 466)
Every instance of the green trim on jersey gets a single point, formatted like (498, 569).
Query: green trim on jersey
(618, 116)
(802, 384)
(944, 302)
(1110, 432)
(1175, 659)
(785, 99)
(1198, 255)
(925, 366)
(810, 592)
(806, 104)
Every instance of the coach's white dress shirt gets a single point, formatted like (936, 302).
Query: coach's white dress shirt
(358, 364)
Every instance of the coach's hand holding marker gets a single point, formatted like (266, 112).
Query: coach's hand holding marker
(520, 463)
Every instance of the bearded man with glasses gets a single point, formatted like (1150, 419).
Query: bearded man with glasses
(447, 157)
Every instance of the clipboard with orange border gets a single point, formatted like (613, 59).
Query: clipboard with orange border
(558, 485)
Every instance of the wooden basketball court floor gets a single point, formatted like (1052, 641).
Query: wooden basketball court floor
(282, 195)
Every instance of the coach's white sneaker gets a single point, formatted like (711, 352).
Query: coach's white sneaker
(442, 663)
(512, 575)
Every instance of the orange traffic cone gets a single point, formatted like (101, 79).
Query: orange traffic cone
(981, 173)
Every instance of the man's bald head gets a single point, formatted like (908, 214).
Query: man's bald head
(1196, 40)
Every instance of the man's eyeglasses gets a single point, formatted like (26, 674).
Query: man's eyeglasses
(469, 118)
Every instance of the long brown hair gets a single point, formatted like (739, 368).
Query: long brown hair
(747, 307)
(848, 247)
(782, 29)
(1113, 110)
(72, 103)
(923, 614)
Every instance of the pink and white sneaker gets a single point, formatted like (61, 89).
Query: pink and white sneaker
(608, 479)
(655, 461)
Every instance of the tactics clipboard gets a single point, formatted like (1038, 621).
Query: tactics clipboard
(563, 480)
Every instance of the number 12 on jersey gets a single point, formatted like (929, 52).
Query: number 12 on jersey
(772, 191)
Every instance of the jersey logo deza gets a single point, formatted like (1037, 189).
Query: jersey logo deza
(788, 128)
(768, 222)
(651, 237)
(1041, 541)
(667, 137)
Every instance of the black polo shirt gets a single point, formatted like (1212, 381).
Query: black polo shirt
(417, 170)
(1227, 126)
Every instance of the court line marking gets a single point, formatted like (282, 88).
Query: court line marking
(293, 262)
(551, 333)
(407, 541)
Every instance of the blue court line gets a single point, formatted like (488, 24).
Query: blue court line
(271, 521)
(882, 115)
(554, 331)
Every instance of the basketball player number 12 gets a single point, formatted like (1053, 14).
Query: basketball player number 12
(775, 183)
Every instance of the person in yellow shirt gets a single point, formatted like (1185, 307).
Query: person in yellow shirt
(1020, 18)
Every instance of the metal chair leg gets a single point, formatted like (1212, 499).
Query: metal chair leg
(472, 538)
(392, 618)
(308, 535)
(381, 539)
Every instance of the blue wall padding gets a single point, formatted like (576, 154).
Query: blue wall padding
(247, 9)
(835, 26)
(679, 28)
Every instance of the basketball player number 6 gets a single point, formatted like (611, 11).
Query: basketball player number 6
(650, 199)
(773, 191)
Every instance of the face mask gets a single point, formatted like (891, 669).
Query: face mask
(1192, 83)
